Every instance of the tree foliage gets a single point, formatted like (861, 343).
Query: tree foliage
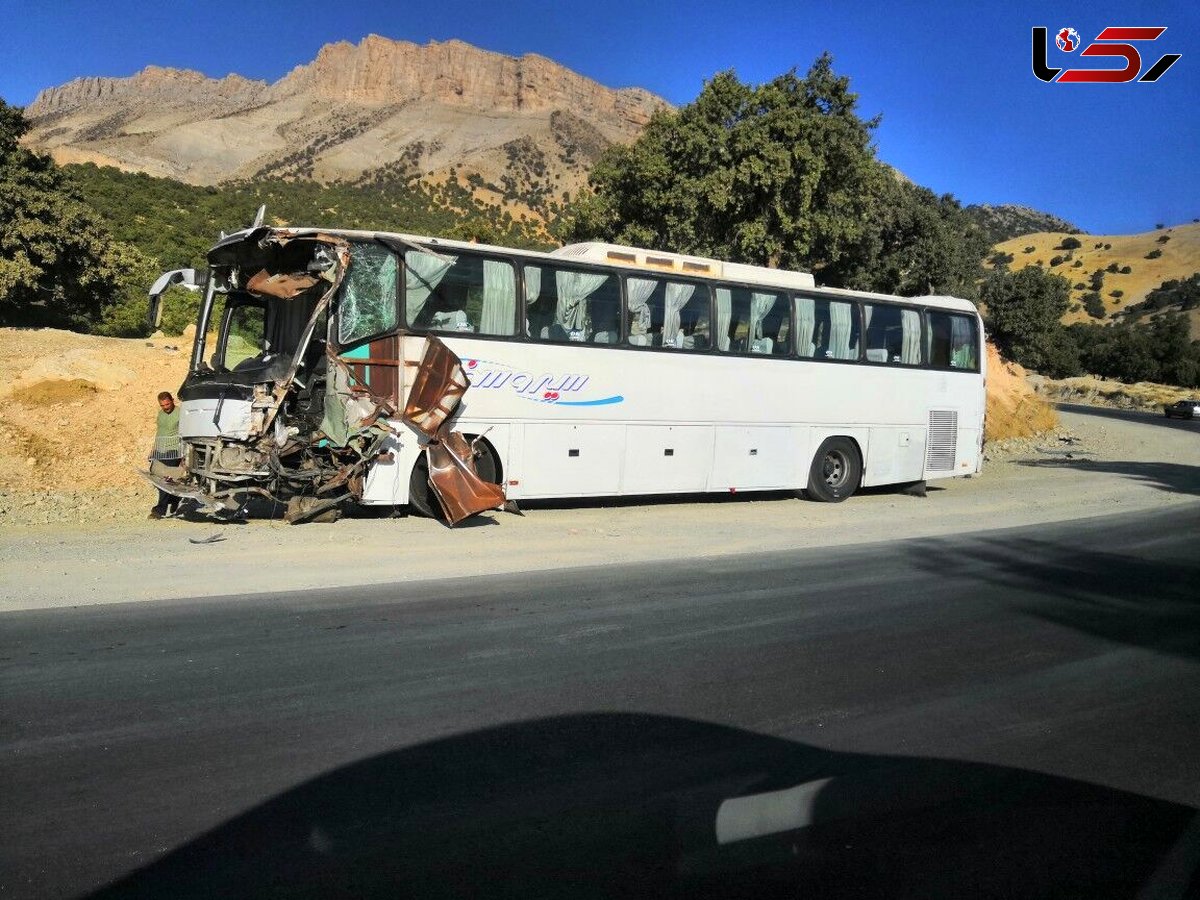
(783, 174)
(58, 264)
(1024, 310)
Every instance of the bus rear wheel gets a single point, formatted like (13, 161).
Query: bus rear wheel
(421, 498)
(835, 472)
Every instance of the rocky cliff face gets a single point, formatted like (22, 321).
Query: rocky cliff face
(381, 108)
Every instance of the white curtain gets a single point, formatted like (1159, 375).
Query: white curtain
(499, 298)
(760, 305)
(573, 289)
(840, 326)
(533, 288)
(637, 292)
(422, 274)
(677, 297)
(806, 321)
(724, 314)
(910, 331)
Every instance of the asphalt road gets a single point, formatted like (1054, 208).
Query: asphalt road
(1141, 416)
(1013, 713)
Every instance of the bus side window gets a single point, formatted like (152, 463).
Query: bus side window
(832, 331)
(893, 334)
(752, 321)
(670, 314)
(952, 341)
(570, 305)
(462, 294)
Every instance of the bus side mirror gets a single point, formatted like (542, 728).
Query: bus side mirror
(184, 278)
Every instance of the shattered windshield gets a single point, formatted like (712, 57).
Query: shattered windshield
(368, 301)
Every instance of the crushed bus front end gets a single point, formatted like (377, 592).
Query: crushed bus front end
(273, 412)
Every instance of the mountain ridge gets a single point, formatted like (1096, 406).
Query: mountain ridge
(414, 111)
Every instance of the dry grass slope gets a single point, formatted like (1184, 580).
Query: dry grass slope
(1180, 257)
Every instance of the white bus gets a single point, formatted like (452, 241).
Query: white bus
(594, 370)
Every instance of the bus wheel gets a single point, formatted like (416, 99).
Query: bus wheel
(835, 472)
(421, 498)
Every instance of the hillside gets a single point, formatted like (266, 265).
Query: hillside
(1001, 223)
(525, 129)
(1179, 256)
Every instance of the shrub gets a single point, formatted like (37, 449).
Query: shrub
(1164, 238)
(1125, 270)
(1116, 293)
(1030, 249)
(1069, 243)
(1108, 246)
(1154, 254)
(1056, 261)
(1080, 286)
(1094, 305)
(1078, 264)
(1113, 268)
(1097, 280)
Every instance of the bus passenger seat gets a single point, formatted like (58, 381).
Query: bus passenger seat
(604, 337)
(876, 354)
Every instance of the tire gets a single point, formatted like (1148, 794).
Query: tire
(836, 471)
(421, 498)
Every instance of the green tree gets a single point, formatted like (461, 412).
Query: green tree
(781, 174)
(58, 264)
(1024, 310)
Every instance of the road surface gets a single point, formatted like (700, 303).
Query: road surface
(1007, 713)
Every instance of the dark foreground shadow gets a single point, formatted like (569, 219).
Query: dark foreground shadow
(1174, 477)
(621, 805)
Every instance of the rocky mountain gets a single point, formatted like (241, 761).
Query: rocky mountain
(523, 129)
(1001, 223)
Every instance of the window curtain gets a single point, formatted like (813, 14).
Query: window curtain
(760, 305)
(499, 298)
(637, 293)
(423, 272)
(806, 323)
(678, 296)
(840, 326)
(573, 289)
(910, 332)
(724, 315)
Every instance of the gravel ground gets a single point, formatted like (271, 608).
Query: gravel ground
(1092, 466)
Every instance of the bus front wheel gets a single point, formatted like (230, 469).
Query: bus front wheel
(835, 472)
(421, 498)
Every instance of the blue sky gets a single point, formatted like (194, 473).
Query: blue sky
(962, 112)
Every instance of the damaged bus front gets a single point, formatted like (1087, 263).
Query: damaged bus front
(273, 412)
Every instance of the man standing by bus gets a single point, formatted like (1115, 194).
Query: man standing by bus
(166, 450)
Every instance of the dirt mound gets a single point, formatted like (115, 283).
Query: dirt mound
(1014, 410)
(77, 417)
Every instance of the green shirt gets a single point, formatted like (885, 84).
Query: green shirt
(166, 437)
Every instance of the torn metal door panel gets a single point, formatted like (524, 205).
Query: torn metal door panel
(436, 393)
(458, 487)
(437, 389)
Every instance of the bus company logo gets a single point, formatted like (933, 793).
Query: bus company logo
(1067, 39)
(1112, 41)
(559, 390)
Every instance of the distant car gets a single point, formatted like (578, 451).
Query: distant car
(1184, 409)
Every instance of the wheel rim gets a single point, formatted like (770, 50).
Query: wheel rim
(833, 468)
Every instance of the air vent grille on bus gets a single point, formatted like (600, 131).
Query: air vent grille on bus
(943, 440)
